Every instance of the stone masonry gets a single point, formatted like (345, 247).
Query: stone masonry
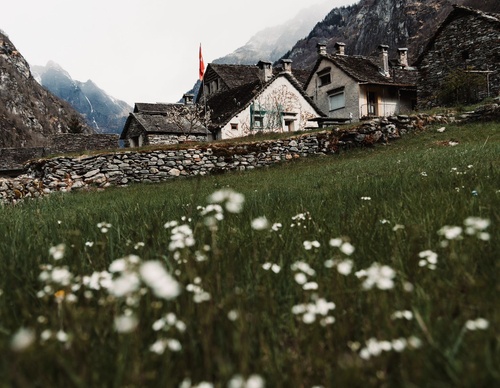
(124, 167)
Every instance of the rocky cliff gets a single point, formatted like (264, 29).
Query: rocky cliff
(28, 112)
(369, 23)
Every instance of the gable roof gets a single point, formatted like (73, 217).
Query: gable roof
(154, 119)
(367, 71)
(227, 104)
(457, 12)
(234, 76)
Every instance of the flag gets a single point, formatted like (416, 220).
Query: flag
(202, 64)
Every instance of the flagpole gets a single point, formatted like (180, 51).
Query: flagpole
(202, 75)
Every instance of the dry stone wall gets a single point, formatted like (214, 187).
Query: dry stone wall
(15, 158)
(126, 167)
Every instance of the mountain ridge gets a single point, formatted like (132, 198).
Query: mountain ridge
(29, 113)
(102, 112)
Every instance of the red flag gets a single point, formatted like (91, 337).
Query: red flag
(202, 64)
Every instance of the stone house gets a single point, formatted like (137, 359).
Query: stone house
(248, 99)
(465, 50)
(159, 123)
(350, 88)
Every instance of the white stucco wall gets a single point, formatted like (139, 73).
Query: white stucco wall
(280, 93)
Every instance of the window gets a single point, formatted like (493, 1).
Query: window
(258, 122)
(325, 77)
(234, 126)
(336, 99)
(214, 86)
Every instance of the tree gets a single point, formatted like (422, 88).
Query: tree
(74, 125)
(461, 87)
(189, 118)
(268, 111)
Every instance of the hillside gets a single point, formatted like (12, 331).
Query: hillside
(320, 272)
(28, 112)
(369, 23)
(101, 111)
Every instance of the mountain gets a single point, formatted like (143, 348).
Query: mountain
(369, 23)
(273, 42)
(29, 113)
(101, 111)
(362, 26)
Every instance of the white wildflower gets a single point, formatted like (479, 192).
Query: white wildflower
(451, 232)
(125, 323)
(260, 223)
(308, 245)
(344, 267)
(22, 339)
(380, 276)
(335, 242)
(276, 226)
(159, 280)
(477, 324)
(57, 252)
(347, 248)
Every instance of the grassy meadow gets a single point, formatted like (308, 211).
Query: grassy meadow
(371, 268)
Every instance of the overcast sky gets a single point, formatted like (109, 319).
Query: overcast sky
(139, 51)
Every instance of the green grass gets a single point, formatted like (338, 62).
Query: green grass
(416, 186)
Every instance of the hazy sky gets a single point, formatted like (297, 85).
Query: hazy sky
(139, 51)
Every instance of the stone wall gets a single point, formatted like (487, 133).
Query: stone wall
(125, 167)
(157, 139)
(468, 42)
(15, 158)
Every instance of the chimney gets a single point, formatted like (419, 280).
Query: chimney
(340, 48)
(321, 47)
(266, 70)
(403, 57)
(188, 99)
(287, 65)
(384, 59)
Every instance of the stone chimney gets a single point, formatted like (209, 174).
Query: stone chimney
(266, 70)
(321, 47)
(287, 65)
(403, 57)
(384, 59)
(188, 99)
(340, 48)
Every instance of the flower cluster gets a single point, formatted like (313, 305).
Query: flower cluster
(428, 259)
(318, 307)
(260, 223)
(403, 314)
(475, 226)
(379, 276)
(308, 245)
(233, 201)
(271, 266)
(299, 220)
(302, 271)
(199, 294)
(477, 324)
(374, 347)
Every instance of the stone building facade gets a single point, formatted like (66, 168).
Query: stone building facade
(465, 50)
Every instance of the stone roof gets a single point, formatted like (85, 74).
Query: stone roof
(458, 11)
(155, 119)
(225, 105)
(235, 76)
(366, 70)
